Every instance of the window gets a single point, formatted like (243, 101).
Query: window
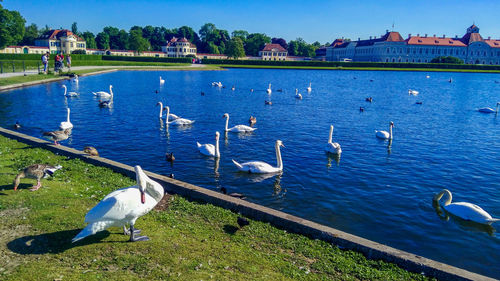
(388, 51)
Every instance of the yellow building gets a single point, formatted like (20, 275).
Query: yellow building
(178, 48)
(273, 52)
(24, 50)
(60, 41)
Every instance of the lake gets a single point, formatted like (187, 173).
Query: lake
(377, 190)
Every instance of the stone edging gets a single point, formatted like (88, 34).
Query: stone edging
(370, 249)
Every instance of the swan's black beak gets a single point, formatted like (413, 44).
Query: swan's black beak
(143, 197)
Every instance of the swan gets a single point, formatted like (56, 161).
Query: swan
(489, 109)
(332, 147)
(162, 81)
(209, 149)
(178, 121)
(105, 94)
(237, 128)
(259, 167)
(427, 77)
(297, 94)
(269, 89)
(70, 94)
(464, 210)
(384, 134)
(309, 89)
(75, 79)
(124, 206)
(67, 124)
(171, 116)
(412, 92)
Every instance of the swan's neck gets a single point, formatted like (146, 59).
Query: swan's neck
(67, 116)
(66, 89)
(227, 122)
(278, 157)
(495, 110)
(448, 197)
(217, 153)
(161, 109)
(168, 113)
(330, 137)
(390, 132)
(111, 91)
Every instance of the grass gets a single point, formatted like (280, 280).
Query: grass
(189, 240)
(29, 78)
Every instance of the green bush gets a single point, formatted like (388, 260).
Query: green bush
(147, 59)
(449, 59)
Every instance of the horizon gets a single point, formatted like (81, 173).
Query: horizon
(334, 20)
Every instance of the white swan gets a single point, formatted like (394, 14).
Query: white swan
(384, 134)
(75, 79)
(464, 210)
(332, 147)
(162, 81)
(171, 116)
(259, 167)
(237, 128)
(209, 149)
(178, 121)
(124, 206)
(269, 89)
(67, 124)
(297, 94)
(489, 109)
(217, 84)
(105, 94)
(309, 89)
(70, 94)
(412, 92)
(427, 77)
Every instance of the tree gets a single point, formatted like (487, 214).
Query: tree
(206, 32)
(102, 40)
(242, 34)
(448, 59)
(89, 39)
(74, 28)
(280, 41)
(138, 43)
(255, 43)
(11, 27)
(30, 34)
(235, 48)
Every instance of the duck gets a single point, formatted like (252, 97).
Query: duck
(66, 124)
(105, 94)
(252, 120)
(412, 92)
(209, 149)
(70, 94)
(297, 94)
(237, 128)
(418, 102)
(369, 99)
(170, 157)
(489, 109)
(259, 167)
(90, 150)
(202, 93)
(162, 81)
(384, 134)
(361, 109)
(309, 89)
(124, 206)
(464, 210)
(57, 136)
(37, 172)
(451, 80)
(233, 88)
(269, 89)
(268, 102)
(242, 222)
(171, 116)
(178, 121)
(17, 126)
(233, 194)
(332, 147)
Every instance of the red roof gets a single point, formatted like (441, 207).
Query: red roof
(274, 47)
(494, 43)
(471, 37)
(183, 39)
(393, 37)
(434, 41)
(57, 33)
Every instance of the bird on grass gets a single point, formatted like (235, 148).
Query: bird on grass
(242, 222)
(57, 136)
(37, 172)
(90, 150)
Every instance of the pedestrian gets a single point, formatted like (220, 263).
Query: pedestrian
(68, 62)
(56, 63)
(61, 61)
(45, 61)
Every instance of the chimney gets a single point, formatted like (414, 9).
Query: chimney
(489, 37)
(387, 31)
(434, 35)
(425, 35)
(409, 35)
(418, 34)
(444, 36)
(359, 39)
(370, 38)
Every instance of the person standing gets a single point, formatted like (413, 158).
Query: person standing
(68, 61)
(45, 61)
(61, 61)
(56, 63)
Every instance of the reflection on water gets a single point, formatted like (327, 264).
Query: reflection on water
(334, 157)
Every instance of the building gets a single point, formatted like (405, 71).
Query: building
(24, 50)
(60, 41)
(392, 47)
(273, 52)
(178, 48)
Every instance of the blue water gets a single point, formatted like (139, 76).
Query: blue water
(376, 191)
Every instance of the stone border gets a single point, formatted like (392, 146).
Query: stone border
(370, 249)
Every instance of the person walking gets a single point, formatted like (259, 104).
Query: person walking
(68, 62)
(45, 61)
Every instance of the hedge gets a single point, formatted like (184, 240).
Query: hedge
(147, 59)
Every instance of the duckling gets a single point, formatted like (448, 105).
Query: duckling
(252, 120)
(17, 126)
(37, 172)
(57, 135)
(268, 102)
(170, 157)
(90, 150)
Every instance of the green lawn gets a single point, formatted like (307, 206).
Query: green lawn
(190, 241)
(30, 78)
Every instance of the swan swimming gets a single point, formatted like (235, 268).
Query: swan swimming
(489, 109)
(171, 116)
(237, 128)
(384, 134)
(332, 147)
(269, 89)
(105, 94)
(70, 94)
(178, 121)
(66, 124)
(260, 167)
(162, 81)
(209, 149)
(124, 206)
(464, 210)
(297, 94)
(412, 92)
(309, 89)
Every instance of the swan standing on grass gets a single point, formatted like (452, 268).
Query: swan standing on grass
(124, 206)
(309, 89)
(237, 128)
(171, 116)
(70, 94)
(178, 121)
(105, 94)
(67, 124)
(384, 134)
(269, 89)
(332, 147)
(464, 210)
(259, 167)
(162, 81)
(209, 149)
(489, 109)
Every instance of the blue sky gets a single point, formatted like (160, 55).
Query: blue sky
(321, 21)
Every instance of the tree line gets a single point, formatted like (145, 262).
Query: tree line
(209, 39)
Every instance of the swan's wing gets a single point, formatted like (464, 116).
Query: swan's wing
(116, 205)
(468, 211)
(207, 149)
(242, 128)
(258, 167)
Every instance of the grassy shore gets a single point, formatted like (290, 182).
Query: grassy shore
(190, 241)
(30, 78)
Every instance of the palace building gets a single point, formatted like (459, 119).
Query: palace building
(472, 48)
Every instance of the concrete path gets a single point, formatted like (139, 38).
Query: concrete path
(35, 72)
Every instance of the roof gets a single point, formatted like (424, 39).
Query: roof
(174, 40)
(434, 41)
(388, 37)
(274, 48)
(494, 43)
(58, 33)
(471, 37)
(183, 39)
